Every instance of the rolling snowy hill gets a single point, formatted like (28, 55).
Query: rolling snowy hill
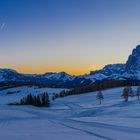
(74, 117)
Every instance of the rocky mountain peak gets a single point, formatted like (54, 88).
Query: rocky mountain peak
(133, 62)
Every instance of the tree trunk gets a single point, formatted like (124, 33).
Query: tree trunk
(126, 99)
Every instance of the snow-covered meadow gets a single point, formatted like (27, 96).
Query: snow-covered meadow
(78, 117)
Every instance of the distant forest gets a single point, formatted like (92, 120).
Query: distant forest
(102, 85)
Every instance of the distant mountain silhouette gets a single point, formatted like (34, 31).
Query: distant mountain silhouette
(130, 70)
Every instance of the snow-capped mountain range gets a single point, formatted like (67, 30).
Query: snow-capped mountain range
(130, 70)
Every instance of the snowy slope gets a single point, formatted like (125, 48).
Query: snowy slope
(9, 75)
(57, 76)
(73, 117)
(109, 72)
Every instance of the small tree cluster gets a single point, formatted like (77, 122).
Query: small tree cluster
(41, 100)
(128, 92)
(62, 94)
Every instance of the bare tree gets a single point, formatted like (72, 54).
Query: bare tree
(125, 93)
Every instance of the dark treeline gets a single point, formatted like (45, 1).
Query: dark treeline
(7, 85)
(97, 86)
(40, 100)
(106, 85)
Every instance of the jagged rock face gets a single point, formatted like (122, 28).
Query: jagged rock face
(114, 69)
(111, 71)
(133, 62)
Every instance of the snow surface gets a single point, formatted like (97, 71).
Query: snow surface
(78, 117)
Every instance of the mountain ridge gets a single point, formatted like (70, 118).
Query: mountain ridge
(120, 71)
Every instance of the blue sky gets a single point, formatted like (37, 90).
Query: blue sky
(75, 36)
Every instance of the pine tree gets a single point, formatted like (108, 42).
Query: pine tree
(100, 96)
(131, 92)
(38, 101)
(62, 93)
(53, 98)
(138, 92)
(47, 101)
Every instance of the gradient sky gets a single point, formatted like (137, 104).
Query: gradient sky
(76, 36)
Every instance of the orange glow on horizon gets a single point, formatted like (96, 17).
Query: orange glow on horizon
(42, 70)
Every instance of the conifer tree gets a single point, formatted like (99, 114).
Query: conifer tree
(138, 92)
(100, 96)
(131, 92)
